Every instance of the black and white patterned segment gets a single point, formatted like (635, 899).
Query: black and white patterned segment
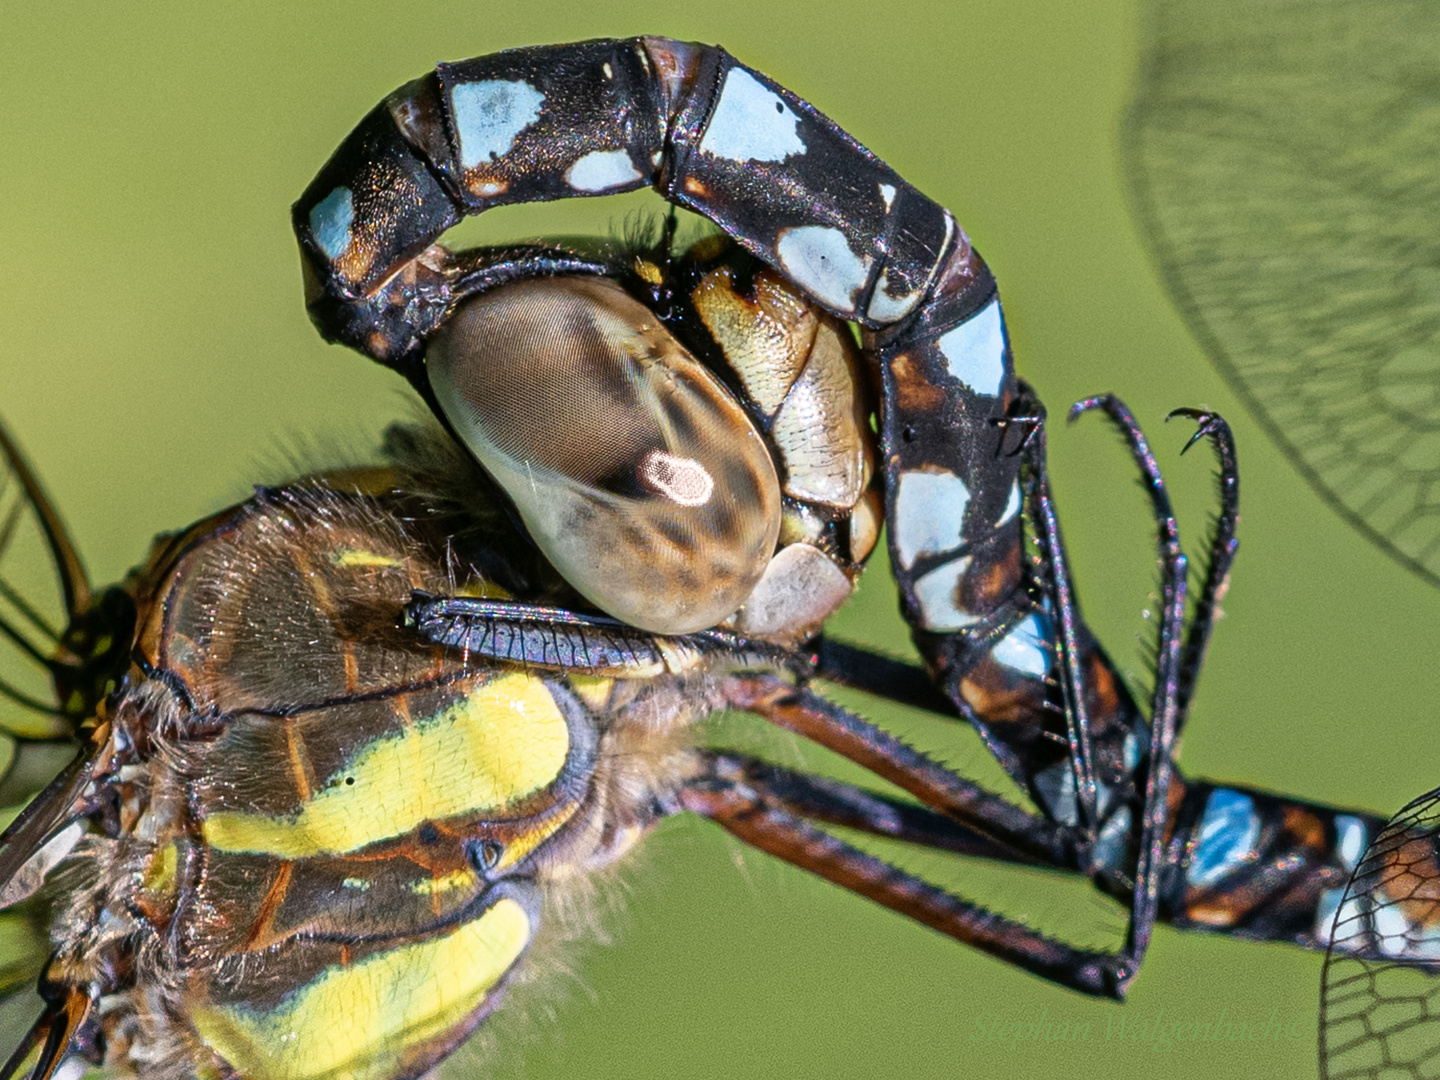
(787, 184)
(597, 118)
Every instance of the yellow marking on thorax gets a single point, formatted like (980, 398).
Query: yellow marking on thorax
(363, 480)
(481, 589)
(436, 886)
(524, 844)
(356, 1022)
(160, 871)
(356, 557)
(505, 741)
(593, 690)
(319, 590)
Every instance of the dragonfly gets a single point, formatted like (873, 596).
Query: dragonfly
(1280, 169)
(988, 629)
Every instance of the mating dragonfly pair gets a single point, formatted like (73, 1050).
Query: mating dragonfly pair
(345, 744)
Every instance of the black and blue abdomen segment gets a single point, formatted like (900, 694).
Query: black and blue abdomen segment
(800, 194)
(1259, 865)
(596, 118)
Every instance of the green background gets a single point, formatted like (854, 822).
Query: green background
(156, 360)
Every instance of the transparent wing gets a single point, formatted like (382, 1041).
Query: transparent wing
(42, 591)
(1381, 999)
(44, 596)
(1282, 160)
(42, 587)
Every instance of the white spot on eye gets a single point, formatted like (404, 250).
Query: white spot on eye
(1350, 840)
(1026, 647)
(929, 514)
(1012, 504)
(935, 592)
(490, 187)
(681, 480)
(975, 351)
(1229, 831)
(601, 170)
(887, 192)
(489, 115)
(885, 308)
(330, 221)
(609, 72)
(750, 122)
(819, 260)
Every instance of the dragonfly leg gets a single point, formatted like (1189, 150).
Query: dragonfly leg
(743, 806)
(1061, 593)
(66, 1010)
(798, 709)
(1159, 766)
(1221, 550)
(833, 802)
(895, 680)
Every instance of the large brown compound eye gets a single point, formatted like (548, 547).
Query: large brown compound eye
(636, 471)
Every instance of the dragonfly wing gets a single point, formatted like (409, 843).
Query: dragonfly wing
(1380, 998)
(1281, 160)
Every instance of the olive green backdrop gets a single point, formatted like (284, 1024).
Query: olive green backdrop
(156, 360)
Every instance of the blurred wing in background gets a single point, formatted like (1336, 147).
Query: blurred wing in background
(1282, 159)
(42, 589)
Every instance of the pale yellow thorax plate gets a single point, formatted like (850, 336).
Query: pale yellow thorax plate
(356, 1022)
(506, 740)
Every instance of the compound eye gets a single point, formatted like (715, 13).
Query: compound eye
(635, 470)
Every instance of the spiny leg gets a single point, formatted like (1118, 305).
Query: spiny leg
(1222, 548)
(1165, 699)
(74, 584)
(833, 802)
(798, 709)
(1062, 598)
(745, 808)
